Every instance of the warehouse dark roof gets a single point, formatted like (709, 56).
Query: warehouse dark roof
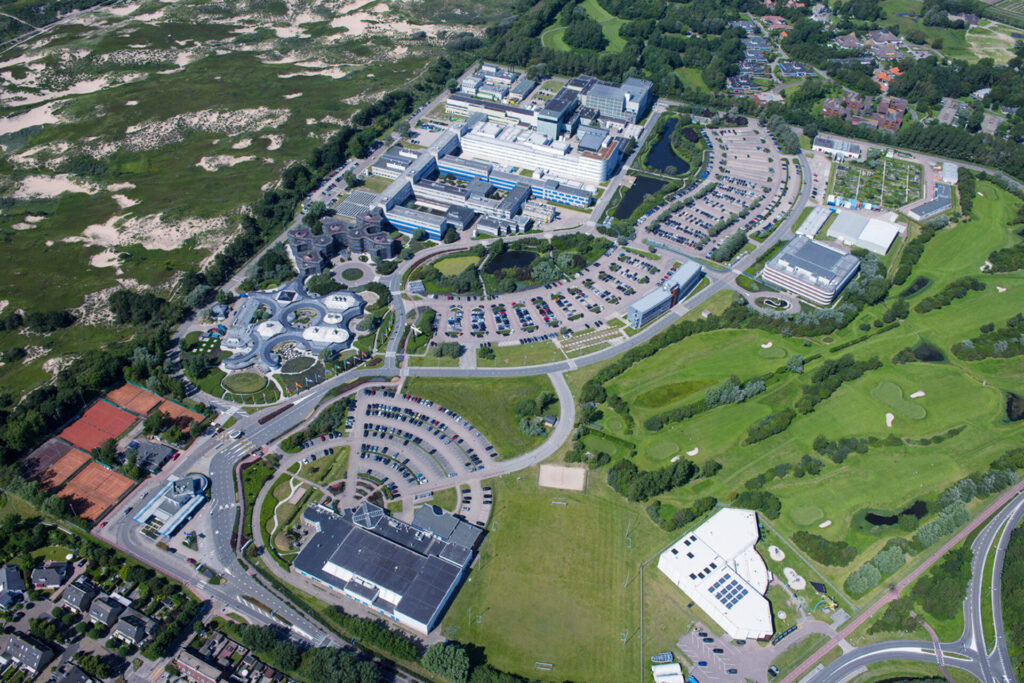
(420, 563)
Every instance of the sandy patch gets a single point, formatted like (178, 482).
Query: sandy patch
(104, 259)
(81, 88)
(40, 116)
(1000, 289)
(918, 394)
(27, 224)
(334, 72)
(242, 144)
(4, 303)
(795, 581)
(766, 345)
(288, 31)
(117, 187)
(131, 103)
(675, 459)
(274, 142)
(292, 96)
(151, 232)
(124, 10)
(826, 524)
(775, 552)
(889, 417)
(692, 452)
(562, 477)
(51, 186)
(123, 201)
(220, 161)
(55, 365)
(34, 353)
(49, 243)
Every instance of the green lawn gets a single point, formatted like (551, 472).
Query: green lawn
(52, 553)
(692, 79)
(487, 404)
(327, 469)
(447, 499)
(537, 353)
(453, 265)
(244, 382)
(570, 607)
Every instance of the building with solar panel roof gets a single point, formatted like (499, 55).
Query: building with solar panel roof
(717, 566)
(406, 572)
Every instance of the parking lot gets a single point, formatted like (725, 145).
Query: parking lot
(601, 291)
(403, 442)
(750, 176)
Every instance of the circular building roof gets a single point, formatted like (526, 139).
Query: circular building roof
(269, 328)
(320, 334)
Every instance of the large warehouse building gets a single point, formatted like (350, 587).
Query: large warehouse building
(719, 569)
(815, 271)
(855, 230)
(658, 301)
(405, 572)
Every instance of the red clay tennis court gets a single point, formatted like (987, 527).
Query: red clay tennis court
(100, 422)
(37, 462)
(134, 399)
(60, 471)
(180, 413)
(93, 490)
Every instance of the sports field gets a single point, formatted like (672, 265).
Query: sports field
(93, 490)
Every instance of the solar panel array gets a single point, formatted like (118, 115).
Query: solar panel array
(727, 591)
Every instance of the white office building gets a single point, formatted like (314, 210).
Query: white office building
(815, 271)
(529, 149)
(719, 569)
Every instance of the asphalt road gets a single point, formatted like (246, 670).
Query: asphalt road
(969, 652)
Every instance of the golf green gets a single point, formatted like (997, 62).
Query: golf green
(806, 515)
(662, 450)
(890, 395)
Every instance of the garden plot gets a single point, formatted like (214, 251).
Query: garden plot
(889, 183)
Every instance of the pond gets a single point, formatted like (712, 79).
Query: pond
(918, 509)
(635, 195)
(662, 157)
(511, 259)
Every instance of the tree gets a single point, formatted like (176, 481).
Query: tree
(795, 364)
(448, 660)
(486, 353)
(419, 235)
(585, 34)
(351, 180)
(154, 422)
(450, 236)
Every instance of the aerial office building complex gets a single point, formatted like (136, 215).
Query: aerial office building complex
(405, 572)
(661, 299)
(812, 270)
(719, 569)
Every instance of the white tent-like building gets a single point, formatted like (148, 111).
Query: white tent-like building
(855, 230)
(718, 568)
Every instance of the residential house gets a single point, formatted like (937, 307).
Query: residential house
(105, 610)
(883, 77)
(69, 673)
(133, 627)
(882, 37)
(891, 111)
(50, 576)
(195, 669)
(11, 579)
(79, 595)
(848, 42)
(773, 22)
(27, 652)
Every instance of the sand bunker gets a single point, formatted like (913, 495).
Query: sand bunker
(918, 394)
(1000, 289)
(274, 142)
(675, 459)
(889, 417)
(131, 103)
(795, 581)
(766, 345)
(693, 451)
(562, 477)
(826, 524)
(220, 161)
(292, 96)
(775, 552)
(242, 144)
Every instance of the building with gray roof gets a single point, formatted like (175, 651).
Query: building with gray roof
(405, 572)
(27, 652)
(11, 579)
(815, 271)
(105, 610)
(50, 576)
(133, 627)
(79, 595)
(174, 504)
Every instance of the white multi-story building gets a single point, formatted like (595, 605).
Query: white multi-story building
(815, 271)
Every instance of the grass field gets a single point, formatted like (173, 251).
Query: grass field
(536, 353)
(488, 405)
(578, 602)
(691, 78)
(447, 499)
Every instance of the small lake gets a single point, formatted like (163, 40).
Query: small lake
(511, 259)
(661, 157)
(635, 195)
(918, 509)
